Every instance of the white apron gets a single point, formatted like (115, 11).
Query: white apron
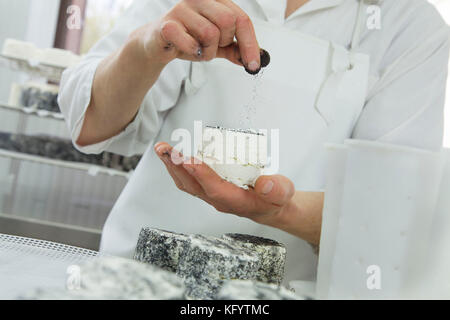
(313, 92)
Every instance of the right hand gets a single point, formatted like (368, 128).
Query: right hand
(201, 30)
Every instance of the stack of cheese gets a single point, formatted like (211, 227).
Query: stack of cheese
(207, 263)
(27, 51)
(41, 96)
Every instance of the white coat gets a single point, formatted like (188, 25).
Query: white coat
(328, 81)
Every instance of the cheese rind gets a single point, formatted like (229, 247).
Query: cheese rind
(271, 254)
(34, 94)
(115, 278)
(160, 248)
(207, 261)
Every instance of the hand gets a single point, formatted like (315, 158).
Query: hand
(201, 30)
(269, 202)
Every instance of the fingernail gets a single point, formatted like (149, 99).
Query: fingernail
(267, 187)
(159, 150)
(158, 147)
(253, 66)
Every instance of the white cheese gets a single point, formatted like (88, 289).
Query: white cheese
(238, 156)
(27, 51)
(59, 57)
(20, 49)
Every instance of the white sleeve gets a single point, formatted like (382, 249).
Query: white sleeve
(406, 106)
(76, 85)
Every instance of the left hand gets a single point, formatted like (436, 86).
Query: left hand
(269, 202)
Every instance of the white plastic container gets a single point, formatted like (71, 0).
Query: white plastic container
(386, 212)
(437, 275)
(336, 162)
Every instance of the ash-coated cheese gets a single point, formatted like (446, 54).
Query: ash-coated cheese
(238, 156)
(204, 262)
(160, 248)
(207, 261)
(62, 149)
(36, 95)
(112, 278)
(196, 267)
(127, 278)
(271, 254)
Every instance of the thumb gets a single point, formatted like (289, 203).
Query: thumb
(277, 190)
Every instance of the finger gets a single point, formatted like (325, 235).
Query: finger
(223, 17)
(231, 53)
(206, 32)
(234, 199)
(246, 37)
(182, 179)
(173, 34)
(277, 190)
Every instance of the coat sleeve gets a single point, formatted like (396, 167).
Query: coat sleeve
(406, 105)
(76, 86)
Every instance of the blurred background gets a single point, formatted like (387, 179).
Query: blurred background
(48, 190)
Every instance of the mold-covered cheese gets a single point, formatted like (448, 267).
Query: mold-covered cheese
(63, 149)
(238, 156)
(115, 278)
(179, 266)
(271, 254)
(160, 248)
(207, 261)
(36, 95)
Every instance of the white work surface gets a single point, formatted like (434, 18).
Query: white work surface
(27, 264)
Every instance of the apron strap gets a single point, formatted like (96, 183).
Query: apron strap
(196, 79)
(358, 27)
(326, 99)
(341, 62)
